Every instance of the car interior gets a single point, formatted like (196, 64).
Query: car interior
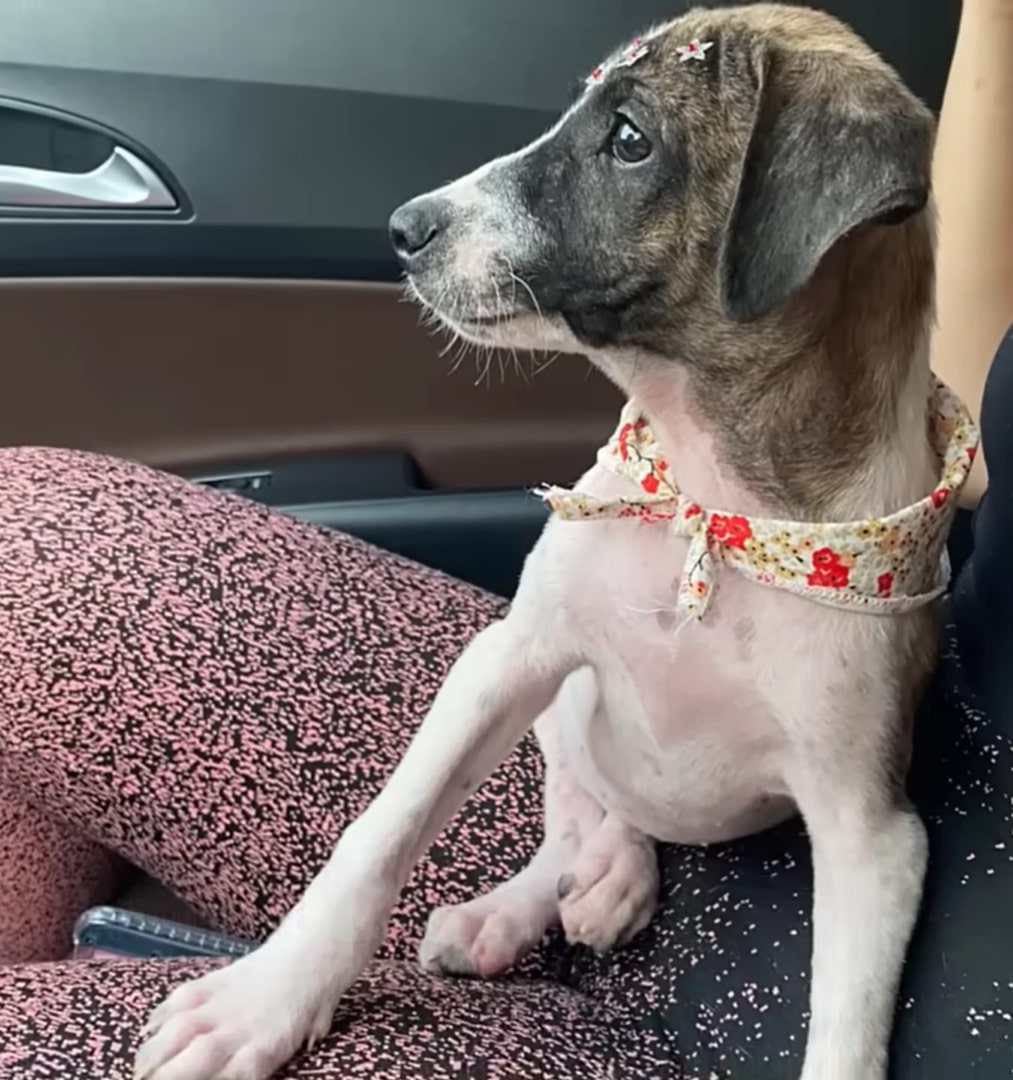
(194, 264)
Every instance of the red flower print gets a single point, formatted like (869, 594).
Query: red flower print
(828, 571)
(825, 558)
(884, 584)
(939, 497)
(650, 484)
(731, 531)
(693, 511)
(835, 577)
(622, 438)
(972, 453)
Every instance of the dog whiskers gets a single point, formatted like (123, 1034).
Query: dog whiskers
(518, 280)
(538, 365)
(498, 316)
(462, 296)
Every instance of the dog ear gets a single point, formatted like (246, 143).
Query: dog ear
(826, 156)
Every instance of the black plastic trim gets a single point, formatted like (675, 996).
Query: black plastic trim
(320, 480)
(282, 181)
(481, 537)
(109, 248)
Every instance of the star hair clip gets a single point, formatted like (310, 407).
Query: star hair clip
(695, 50)
(634, 52)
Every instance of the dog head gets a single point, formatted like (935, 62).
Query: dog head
(698, 180)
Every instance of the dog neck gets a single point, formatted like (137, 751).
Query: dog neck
(819, 413)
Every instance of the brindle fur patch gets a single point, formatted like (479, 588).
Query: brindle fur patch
(800, 396)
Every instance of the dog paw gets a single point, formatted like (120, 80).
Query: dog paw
(241, 1022)
(486, 936)
(612, 892)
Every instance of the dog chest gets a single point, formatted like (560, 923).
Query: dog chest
(666, 725)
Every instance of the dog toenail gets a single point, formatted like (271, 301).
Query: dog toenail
(565, 886)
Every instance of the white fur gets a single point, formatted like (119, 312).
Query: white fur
(739, 730)
(694, 733)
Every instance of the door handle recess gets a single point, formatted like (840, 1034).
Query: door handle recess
(121, 182)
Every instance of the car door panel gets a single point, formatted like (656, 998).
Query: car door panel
(265, 169)
(306, 396)
(197, 373)
(257, 328)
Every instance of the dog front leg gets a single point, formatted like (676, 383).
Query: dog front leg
(249, 1018)
(595, 873)
(869, 856)
(491, 933)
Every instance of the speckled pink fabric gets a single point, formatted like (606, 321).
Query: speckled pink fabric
(396, 1024)
(213, 691)
(49, 873)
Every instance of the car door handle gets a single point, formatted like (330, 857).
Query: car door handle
(121, 182)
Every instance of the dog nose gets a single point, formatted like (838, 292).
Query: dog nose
(414, 226)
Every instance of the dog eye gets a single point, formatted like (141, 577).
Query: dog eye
(629, 144)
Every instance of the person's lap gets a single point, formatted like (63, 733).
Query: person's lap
(216, 690)
(396, 1024)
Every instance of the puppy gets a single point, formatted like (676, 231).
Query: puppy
(733, 222)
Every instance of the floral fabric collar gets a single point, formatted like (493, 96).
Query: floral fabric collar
(882, 566)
